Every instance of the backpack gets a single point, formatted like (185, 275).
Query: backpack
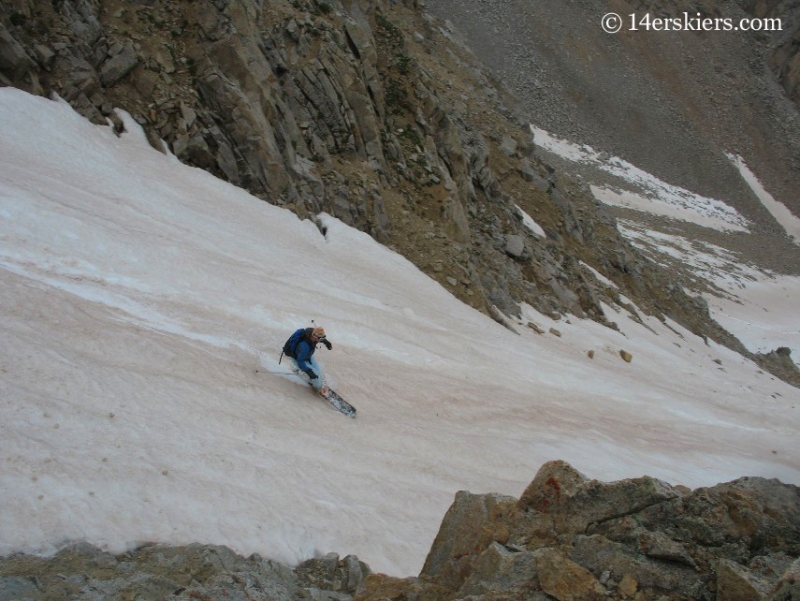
(291, 344)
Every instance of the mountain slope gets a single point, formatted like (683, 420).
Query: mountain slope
(671, 102)
(364, 110)
(144, 304)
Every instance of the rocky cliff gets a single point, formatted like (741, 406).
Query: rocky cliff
(370, 111)
(570, 538)
(566, 538)
(364, 110)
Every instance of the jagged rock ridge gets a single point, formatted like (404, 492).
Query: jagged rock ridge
(566, 538)
(570, 538)
(204, 572)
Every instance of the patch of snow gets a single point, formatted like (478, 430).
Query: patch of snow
(530, 224)
(782, 215)
(653, 195)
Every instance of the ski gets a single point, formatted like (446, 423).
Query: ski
(337, 402)
(327, 393)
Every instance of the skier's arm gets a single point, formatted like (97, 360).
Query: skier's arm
(303, 355)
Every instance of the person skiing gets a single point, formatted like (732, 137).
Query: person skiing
(300, 349)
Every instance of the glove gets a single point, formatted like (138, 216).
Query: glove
(310, 373)
(327, 344)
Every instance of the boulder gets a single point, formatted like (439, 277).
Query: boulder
(330, 573)
(564, 579)
(515, 246)
(737, 583)
(380, 587)
(14, 61)
(119, 65)
(500, 569)
(555, 482)
(508, 146)
(472, 523)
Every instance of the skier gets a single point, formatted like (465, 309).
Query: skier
(300, 349)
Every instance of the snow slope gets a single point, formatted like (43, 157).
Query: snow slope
(143, 304)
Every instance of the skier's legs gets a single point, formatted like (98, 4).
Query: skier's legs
(316, 383)
(319, 382)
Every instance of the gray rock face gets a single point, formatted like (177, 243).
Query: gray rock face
(13, 59)
(118, 65)
(470, 526)
(85, 572)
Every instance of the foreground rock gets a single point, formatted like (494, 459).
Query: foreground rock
(192, 572)
(574, 539)
(567, 538)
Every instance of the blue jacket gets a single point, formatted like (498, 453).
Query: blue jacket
(303, 352)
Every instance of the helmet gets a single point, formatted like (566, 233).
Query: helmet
(318, 332)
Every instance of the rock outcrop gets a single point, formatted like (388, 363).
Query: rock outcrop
(353, 108)
(203, 572)
(567, 538)
(574, 539)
